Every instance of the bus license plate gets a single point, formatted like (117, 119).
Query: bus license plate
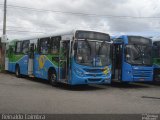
(141, 79)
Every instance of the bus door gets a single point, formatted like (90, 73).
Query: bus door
(117, 61)
(64, 61)
(31, 59)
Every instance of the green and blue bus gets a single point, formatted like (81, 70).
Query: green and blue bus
(132, 59)
(156, 60)
(74, 57)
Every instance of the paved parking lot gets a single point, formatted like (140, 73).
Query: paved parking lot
(26, 95)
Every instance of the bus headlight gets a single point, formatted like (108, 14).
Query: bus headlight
(79, 58)
(79, 72)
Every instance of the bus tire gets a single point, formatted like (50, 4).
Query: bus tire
(52, 77)
(17, 71)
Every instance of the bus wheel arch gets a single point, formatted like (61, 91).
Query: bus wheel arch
(52, 76)
(17, 70)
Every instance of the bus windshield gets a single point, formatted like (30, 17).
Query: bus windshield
(139, 54)
(93, 53)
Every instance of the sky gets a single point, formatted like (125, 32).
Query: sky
(39, 17)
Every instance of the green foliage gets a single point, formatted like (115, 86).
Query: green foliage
(156, 61)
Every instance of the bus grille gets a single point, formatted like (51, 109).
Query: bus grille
(142, 73)
(94, 72)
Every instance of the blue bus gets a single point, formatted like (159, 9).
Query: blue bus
(132, 59)
(74, 57)
(156, 60)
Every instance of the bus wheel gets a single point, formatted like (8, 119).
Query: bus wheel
(52, 78)
(17, 72)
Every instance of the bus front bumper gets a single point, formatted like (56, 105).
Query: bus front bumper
(79, 80)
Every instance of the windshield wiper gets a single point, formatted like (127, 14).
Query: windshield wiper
(100, 47)
(139, 52)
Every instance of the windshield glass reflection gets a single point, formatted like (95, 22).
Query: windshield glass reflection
(139, 54)
(93, 53)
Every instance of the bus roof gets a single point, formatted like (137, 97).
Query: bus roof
(122, 36)
(68, 32)
(156, 38)
(46, 35)
(125, 39)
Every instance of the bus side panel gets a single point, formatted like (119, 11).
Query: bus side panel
(41, 66)
(127, 72)
(38, 67)
(23, 64)
(13, 60)
(11, 67)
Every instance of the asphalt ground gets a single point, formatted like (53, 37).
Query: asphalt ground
(28, 95)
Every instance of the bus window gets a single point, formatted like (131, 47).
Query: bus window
(25, 47)
(44, 45)
(55, 43)
(18, 47)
